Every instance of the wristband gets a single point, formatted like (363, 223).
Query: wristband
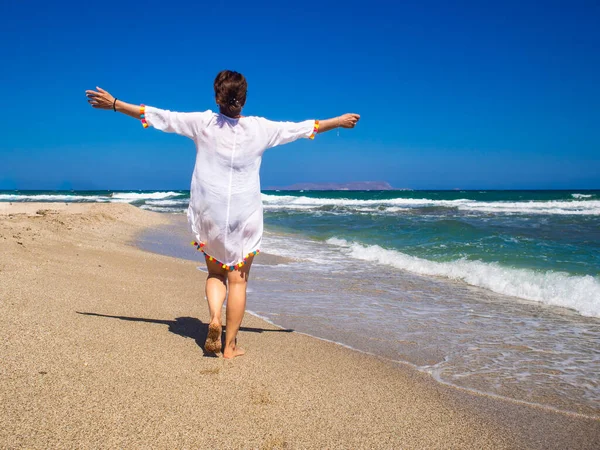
(115, 105)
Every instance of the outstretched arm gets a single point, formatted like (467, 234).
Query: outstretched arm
(278, 133)
(345, 121)
(185, 124)
(103, 100)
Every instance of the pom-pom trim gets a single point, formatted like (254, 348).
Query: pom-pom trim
(143, 116)
(315, 130)
(200, 247)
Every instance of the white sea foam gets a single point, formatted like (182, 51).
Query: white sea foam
(52, 198)
(581, 293)
(553, 207)
(182, 202)
(163, 209)
(582, 195)
(393, 209)
(133, 196)
(589, 207)
(302, 201)
(117, 197)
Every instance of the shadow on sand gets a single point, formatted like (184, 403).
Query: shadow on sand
(188, 327)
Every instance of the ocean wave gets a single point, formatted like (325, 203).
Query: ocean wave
(393, 209)
(582, 195)
(182, 202)
(163, 209)
(581, 293)
(133, 196)
(117, 197)
(302, 202)
(551, 207)
(554, 207)
(53, 198)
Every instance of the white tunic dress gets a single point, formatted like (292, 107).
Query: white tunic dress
(225, 211)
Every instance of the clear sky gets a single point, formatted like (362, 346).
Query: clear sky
(452, 94)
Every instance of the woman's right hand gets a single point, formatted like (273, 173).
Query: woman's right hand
(345, 121)
(348, 120)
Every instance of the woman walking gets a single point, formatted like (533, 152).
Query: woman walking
(225, 211)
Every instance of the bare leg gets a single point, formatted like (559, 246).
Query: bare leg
(236, 306)
(216, 290)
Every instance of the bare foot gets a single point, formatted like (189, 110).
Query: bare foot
(213, 339)
(230, 353)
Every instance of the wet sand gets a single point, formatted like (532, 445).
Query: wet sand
(101, 346)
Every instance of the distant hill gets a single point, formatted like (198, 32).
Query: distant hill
(353, 186)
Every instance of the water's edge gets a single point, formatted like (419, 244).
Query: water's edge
(156, 240)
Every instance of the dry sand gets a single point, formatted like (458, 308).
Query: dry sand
(101, 346)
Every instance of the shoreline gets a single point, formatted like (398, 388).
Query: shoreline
(101, 372)
(171, 241)
(411, 366)
(179, 222)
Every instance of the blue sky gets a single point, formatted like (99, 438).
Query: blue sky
(451, 94)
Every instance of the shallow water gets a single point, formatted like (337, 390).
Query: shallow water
(463, 335)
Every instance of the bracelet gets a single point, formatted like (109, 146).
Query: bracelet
(115, 105)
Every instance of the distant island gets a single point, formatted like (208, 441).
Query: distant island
(352, 186)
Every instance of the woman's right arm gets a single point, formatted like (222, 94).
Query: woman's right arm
(278, 133)
(344, 121)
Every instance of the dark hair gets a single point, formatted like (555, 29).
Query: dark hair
(230, 92)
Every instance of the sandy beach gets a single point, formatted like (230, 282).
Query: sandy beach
(101, 347)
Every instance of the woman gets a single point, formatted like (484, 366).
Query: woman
(225, 211)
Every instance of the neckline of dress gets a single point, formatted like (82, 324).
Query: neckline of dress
(229, 118)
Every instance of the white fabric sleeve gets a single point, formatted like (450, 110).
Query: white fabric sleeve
(186, 124)
(279, 133)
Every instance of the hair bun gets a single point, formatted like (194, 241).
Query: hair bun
(230, 92)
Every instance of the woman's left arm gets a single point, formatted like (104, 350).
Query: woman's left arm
(103, 100)
(185, 124)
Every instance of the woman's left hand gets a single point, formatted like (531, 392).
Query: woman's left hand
(100, 99)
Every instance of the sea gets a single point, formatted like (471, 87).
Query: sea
(494, 292)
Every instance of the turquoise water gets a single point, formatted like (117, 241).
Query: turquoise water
(536, 245)
(535, 230)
